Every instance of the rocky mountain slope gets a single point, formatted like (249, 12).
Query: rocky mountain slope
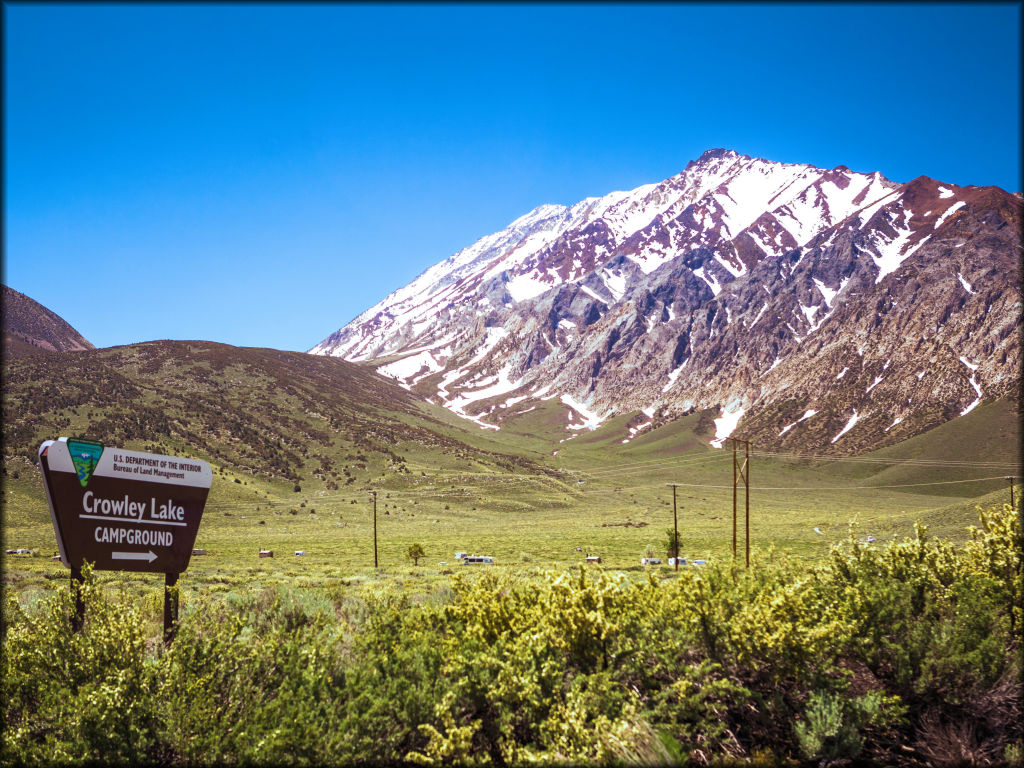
(806, 308)
(30, 327)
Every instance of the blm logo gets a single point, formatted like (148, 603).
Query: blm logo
(85, 455)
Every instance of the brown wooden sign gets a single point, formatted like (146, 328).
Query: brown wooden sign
(123, 510)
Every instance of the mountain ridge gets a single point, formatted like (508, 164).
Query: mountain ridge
(606, 302)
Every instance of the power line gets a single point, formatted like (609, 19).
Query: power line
(601, 474)
(870, 460)
(707, 458)
(663, 460)
(637, 468)
(609, 491)
(846, 487)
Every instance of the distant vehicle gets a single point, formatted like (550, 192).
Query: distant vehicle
(593, 558)
(650, 561)
(672, 561)
(299, 552)
(477, 560)
(459, 555)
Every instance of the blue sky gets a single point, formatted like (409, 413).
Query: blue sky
(260, 174)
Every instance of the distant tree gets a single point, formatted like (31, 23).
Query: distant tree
(414, 553)
(671, 543)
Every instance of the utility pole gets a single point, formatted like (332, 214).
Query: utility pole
(374, 528)
(733, 500)
(1011, 479)
(741, 472)
(675, 527)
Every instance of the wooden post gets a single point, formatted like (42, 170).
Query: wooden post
(746, 488)
(733, 499)
(170, 606)
(675, 528)
(78, 618)
(741, 472)
(374, 528)
(1011, 492)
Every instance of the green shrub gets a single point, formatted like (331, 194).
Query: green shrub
(253, 682)
(73, 697)
(830, 728)
(912, 643)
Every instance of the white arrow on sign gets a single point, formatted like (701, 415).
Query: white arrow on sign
(147, 556)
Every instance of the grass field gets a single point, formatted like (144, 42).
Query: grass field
(594, 496)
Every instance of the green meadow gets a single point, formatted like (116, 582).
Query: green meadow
(589, 495)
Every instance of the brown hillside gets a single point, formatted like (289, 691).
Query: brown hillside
(29, 327)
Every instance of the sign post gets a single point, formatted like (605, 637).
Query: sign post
(124, 510)
(170, 605)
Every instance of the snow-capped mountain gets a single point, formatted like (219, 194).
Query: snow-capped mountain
(792, 300)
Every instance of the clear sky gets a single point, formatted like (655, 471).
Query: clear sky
(260, 174)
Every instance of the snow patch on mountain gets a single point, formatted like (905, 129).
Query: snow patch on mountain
(827, 293)
(826, 202)
(711, 280)
(849, 425)
(949, 212)
(892, 252)
(502, 384)
(673, 375)
(976, 402)
(807, 414)
(591, 419)
(408, 367)
(615, 283)
(726, 424)
(526, 286)
(973, 367)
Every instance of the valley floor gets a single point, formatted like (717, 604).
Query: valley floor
(619, 511)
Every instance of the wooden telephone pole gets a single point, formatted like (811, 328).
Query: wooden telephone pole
(740, 472)
(374, 528)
